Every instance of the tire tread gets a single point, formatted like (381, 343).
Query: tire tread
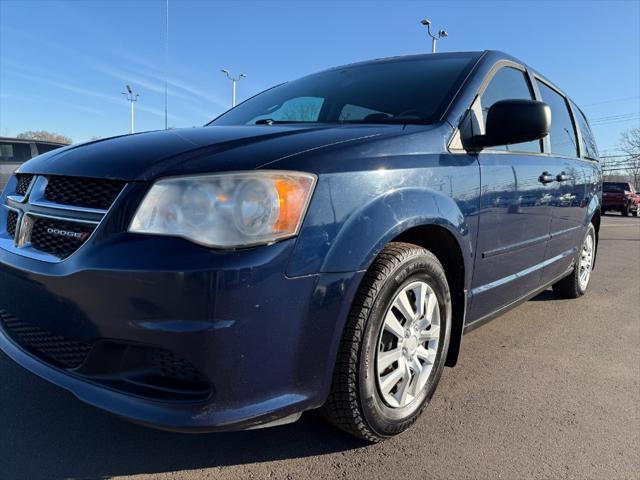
(342, 407)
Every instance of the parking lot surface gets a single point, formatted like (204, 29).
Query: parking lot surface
(549, 390)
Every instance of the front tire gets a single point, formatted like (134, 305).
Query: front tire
(576, 284)
(394, 345)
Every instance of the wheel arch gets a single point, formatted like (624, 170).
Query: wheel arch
(595, 210)
(596, 219)
(420, 216)
(443, 244)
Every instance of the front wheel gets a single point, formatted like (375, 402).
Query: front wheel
(394, 345)
(575, 285)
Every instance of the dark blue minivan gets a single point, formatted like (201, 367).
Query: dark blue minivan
(325, 244)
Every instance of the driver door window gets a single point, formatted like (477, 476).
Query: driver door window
(507, 84)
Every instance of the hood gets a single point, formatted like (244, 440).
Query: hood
(146, 156)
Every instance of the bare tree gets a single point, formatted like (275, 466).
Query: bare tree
(44, 136)
(608, 165)
(630, 144)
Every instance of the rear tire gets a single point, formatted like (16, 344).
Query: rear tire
(366, 399)
(625, 211)
(575, 285)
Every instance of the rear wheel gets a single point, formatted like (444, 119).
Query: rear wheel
(394, 345)
(575, 285)
(625, 211)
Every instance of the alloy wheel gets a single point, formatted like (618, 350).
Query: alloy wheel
(586, 261)
(408, 344)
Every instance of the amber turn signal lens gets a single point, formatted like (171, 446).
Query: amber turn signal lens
(293, 195)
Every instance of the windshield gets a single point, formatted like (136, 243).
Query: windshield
(615, 187)
(410, 90)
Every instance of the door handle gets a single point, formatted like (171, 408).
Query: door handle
(546, 177)
(562, 177)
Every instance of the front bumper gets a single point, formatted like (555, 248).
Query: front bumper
(265, 343)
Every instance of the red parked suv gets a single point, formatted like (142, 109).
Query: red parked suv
(621, 197)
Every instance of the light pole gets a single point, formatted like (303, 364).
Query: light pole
(166, 67)
(133, 98)
(434, 38)
(234, 81)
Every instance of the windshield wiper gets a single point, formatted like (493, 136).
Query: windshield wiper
(390, 120)
(270, 121)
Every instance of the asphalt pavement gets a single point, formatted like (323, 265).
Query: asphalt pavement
(549, 390)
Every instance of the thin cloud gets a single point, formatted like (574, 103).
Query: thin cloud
(137, 81)
(44, 101)
(67, 85)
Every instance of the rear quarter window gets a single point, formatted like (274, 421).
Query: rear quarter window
(587, 141)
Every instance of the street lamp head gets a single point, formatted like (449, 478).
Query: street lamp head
(242, 75)
(426, 22)
(224, 70)
(129, 89)
(442, 33)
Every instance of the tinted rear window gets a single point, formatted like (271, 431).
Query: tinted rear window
(615, 187)
(412, 90)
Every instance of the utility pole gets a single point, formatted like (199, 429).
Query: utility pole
(234, 82)
(434, 38)
(133, 98)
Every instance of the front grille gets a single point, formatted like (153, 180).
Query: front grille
(59, 238)
(83, 192)
(23, 184)
(84, 201)
(56, 349)
(12, 223)
(169, 365)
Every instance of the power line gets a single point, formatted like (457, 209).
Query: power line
(617, 115)
(611, 100)
(622, 120)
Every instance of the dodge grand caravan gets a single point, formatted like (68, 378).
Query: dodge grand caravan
(325, 244)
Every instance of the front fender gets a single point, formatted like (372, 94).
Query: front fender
(354, 214)
(377, 223)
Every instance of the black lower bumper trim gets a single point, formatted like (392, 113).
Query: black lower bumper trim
(143, 370)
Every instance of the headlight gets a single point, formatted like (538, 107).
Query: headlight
(226, 210)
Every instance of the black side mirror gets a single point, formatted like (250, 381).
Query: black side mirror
(515, 121)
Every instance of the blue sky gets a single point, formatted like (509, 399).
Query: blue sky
(63, 64)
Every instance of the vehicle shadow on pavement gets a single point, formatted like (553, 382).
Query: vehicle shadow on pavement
(544, 296)
(45, 433)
